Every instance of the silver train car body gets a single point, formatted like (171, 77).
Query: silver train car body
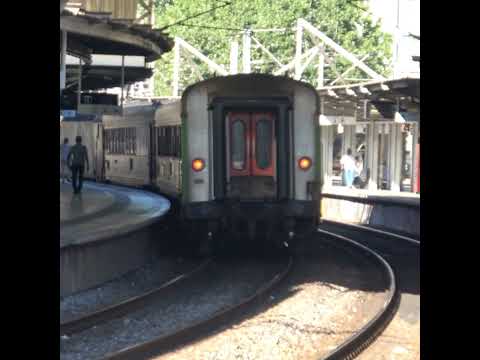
(127, 146)
(237, 154)
(167, 149)
(252, 131)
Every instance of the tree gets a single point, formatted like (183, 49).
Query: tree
(344, 21)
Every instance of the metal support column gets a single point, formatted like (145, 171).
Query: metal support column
(413, 176)
(63, 60)
(79, 89)
(327, 155)
(298, 51)
(122, 82)
(321, 66)
(395, 159)
(176, 68)
(234, 57)
(372, 155)
(247, 42)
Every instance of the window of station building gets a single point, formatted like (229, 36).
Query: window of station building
(263, 143)
(407, 157)
(337, 155)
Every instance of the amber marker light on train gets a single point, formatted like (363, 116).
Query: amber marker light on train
(198, 164)
(304, 163)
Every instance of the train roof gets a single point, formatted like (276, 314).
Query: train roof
(244, 77)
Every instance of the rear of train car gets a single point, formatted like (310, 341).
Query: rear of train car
(250, 152)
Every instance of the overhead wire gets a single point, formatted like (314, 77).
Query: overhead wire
(197, 15)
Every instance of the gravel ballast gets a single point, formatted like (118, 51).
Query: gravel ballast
(325, 301)
(219, 286)
(133, 284)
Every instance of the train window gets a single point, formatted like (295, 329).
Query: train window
(124, 141)
(128, 140)
(238, 145)
(134, 137)
(114, 140)
(263, 143)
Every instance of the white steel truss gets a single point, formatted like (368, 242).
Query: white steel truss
(300, 62)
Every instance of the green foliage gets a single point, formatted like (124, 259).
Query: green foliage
(344, 21)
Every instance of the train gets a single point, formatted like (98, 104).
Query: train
(238, 155)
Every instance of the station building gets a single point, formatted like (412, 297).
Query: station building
(380, 122)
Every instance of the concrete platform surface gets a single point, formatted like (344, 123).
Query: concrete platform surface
(103, 211)
(394, 197)
(393, 211)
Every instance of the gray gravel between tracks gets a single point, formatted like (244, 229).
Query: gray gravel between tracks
(219, 286)
(132, 284)
(326, 299)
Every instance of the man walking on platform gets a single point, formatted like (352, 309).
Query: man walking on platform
(348, 166)
(77, 157)
(64, 151)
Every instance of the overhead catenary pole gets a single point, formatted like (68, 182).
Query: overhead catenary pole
(292, 63)
(247, 42)
(176, 67)
(342, 75)
(298, 51)
(152, 66)
(212, 65)
(152, 13)
(267, 51)
(303, 24)
(321, 66)
(234, 57)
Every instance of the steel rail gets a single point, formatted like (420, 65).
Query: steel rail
(188, 333)
(124, 307)
(374, 230)
(355, 344)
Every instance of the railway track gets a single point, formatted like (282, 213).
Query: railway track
(190, 332)
(366, 229)
(124, 307)
(200, 304)
(402, 258)
(355, 344)
(348, 349)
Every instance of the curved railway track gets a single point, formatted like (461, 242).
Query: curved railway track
(355, 344)
(348, 349)
(188, 333)
(124, 307)
(362, 228)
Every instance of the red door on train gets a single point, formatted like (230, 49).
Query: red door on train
(251, 155)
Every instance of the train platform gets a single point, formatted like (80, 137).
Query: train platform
(105, 232)
(385, 196)
(103, 211)
(395, 211)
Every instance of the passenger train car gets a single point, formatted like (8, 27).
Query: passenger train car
(238, 154)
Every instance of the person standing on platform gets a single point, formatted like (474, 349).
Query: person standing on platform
(348, 167)
(64, 151)
(357, 180)
(77, 158)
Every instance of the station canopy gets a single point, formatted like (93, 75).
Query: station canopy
(377, 100)
(90, 33)
(98, 33)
